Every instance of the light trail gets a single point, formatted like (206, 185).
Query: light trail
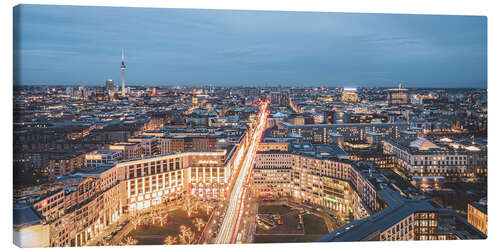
(234, 212)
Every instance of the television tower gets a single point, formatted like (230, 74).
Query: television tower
(123, 74)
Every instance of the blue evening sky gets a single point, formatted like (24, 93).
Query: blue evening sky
(82, 45)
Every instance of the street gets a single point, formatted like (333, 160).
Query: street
(232, 217)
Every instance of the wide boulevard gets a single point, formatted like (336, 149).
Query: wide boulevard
(229, 228)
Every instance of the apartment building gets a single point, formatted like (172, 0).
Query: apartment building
(129, 150)
(152, 180)
(81, 204)
(477, 215)
(405, 219)
(421, 157)
(99, 158)
(319, 133)
(150, 144)
(315, 174)
(86, 203)
(60, 164)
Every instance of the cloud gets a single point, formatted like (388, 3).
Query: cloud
(165, 45)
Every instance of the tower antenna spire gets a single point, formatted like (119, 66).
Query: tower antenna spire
(123, 73)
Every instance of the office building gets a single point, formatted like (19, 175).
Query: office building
(350, 95)
(76, 207)
(100, 158)
(397, 97)
(110, 85)
(281, 98)
(477, 215)
(315, 174)
(318, 133)
(421, 157)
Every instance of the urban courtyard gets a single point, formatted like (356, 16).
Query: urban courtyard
(181, 222)
(281, 222)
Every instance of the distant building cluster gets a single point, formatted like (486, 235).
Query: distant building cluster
(382, 160)
(82, 163)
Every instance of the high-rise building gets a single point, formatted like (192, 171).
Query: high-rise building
(284, 98)
(99, 94)
(69, 91)
(280, 97)
(110, 84)
(350, 95)
(397, 97)
(123, 74)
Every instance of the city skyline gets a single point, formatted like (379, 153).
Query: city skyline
(59, 45)
(142, 126)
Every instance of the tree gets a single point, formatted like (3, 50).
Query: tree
(129, 241)
(199, 223)
(169, 240)
(164, 219)
(137, 220)
(188, 206)
(104, 242)
(154, 215)
(186, 235)
(207, 206)
(196, 203)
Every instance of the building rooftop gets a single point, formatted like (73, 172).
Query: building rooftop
(286, 124)
(25, 215)
(398, 209)
(481, 206)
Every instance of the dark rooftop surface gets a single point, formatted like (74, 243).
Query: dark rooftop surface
(480, 206)
(398, 209)
(24, 215)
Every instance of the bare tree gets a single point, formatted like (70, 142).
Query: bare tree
(188, 206)
(104, 242)
(163, 219)
(207, 206)
(169, 240)
(186, 235)
(129, 241)
(199, 223)
(137, 220)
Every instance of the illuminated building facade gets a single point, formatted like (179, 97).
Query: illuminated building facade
(350, 95)
(171, 143)
(150, 144)
(82, 204)
(405, 219)
(110, 85)
(321, 179)
(421, 157)
(129, 150)
(65, 163)
(153, 180)
(281, 98)
(318, 133)
(270, 146)
(397, 97)
(102, 157)
(477, 215)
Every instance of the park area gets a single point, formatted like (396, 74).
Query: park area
(182, 224)
(282, 224)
